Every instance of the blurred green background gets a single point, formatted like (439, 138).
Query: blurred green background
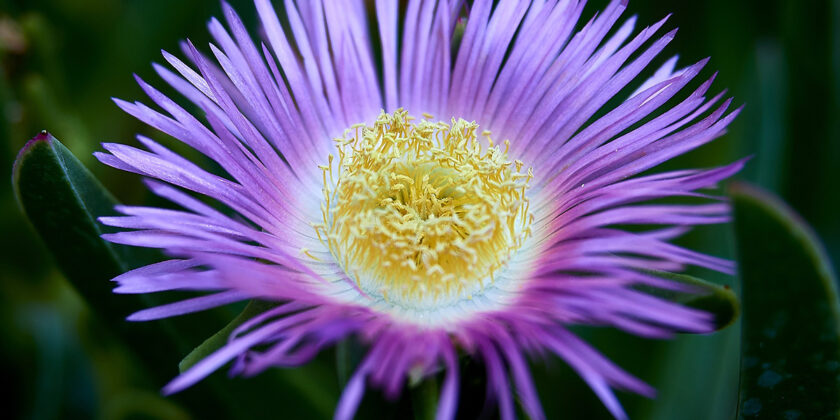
(62, 60)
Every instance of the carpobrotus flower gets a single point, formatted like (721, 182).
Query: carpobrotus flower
(449, 193)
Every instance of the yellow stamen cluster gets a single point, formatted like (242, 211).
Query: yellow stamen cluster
(420, 212)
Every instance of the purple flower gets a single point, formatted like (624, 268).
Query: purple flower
(428, 196)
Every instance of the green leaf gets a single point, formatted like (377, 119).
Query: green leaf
(713, 298)
(63, 200)
(310, 381)
(680, 369)
(424, 399)
(458, 36)
(219, 339)
(348, 355)
(790, 357)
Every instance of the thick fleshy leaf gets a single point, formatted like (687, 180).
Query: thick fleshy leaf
(719, 300)
(682, 369)
(63, 200)
(424, 399)
(219, 339)
(313, 380)
(348, 355)
(791, 328)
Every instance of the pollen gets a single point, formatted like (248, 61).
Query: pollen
(420, 213)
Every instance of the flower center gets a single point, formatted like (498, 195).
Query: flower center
(420, 214)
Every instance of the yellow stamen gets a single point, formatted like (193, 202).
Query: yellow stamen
(422, 212)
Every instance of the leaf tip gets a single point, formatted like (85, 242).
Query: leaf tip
(44, 137)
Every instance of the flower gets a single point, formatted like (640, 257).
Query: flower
(428, 191)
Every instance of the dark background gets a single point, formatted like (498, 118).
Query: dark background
(61, 61)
